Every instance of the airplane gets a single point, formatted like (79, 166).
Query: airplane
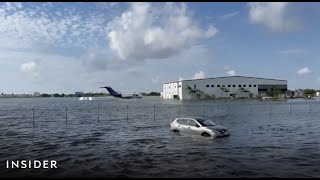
(121, 95)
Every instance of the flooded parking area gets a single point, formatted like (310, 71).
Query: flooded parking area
(125, 138)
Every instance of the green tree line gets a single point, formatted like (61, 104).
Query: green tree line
(91, 94)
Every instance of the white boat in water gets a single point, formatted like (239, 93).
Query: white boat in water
(95, 98)
(266, 97)
(85, 98)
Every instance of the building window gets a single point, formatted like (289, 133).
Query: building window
(249, 85)
(222, 85)
(207, 85)
(234, 85)
(218, 85)
(239, 85)
(244, 85)
(212, 85)
(229, 85)
(254, 85)
(179, 86)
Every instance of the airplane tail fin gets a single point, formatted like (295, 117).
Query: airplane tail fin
(111, 91)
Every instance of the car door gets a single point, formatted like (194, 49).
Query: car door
(194, 127)
(183, 125)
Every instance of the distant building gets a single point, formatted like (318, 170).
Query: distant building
(318, 93)
(225, 87)
(78, 94)
(298, 93)
(290, 93)
(36, 94)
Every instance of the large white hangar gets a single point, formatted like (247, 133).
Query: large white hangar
(220, 87)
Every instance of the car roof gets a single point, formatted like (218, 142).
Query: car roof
(192, 118)
(196, 118)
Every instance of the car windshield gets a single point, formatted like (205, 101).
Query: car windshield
(205, 122)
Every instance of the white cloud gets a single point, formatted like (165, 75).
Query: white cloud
(231, 73)
(155, 80)
(304, 71)
(199, 75)
(29, 27)
(229, 70)
(39, 44)
(229, 15)
(147, 31)
(272, 16)
(12, 6)
(31, 68)
(30, 71)
(293, 51)
(28, 67)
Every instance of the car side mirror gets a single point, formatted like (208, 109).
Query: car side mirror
(197, 126)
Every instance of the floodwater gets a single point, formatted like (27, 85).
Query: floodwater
(131, 138)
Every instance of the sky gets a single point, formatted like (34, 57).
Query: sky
(136, 47)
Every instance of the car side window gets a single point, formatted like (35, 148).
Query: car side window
(183, 121)
(193, 123)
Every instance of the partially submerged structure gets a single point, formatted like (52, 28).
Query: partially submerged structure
(221, 87)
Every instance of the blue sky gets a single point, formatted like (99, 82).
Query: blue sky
(68, 47)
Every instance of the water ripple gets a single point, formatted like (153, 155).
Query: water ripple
(261, 144)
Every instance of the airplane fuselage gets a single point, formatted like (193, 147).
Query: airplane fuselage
(120, 95)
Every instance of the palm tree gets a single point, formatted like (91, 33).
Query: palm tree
(224, 89)
(246, 91)
(269, 91)
(193, 91)
(241, 89)
(274, 91)
(208, 96)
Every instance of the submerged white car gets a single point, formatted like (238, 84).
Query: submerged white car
(198, 126)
